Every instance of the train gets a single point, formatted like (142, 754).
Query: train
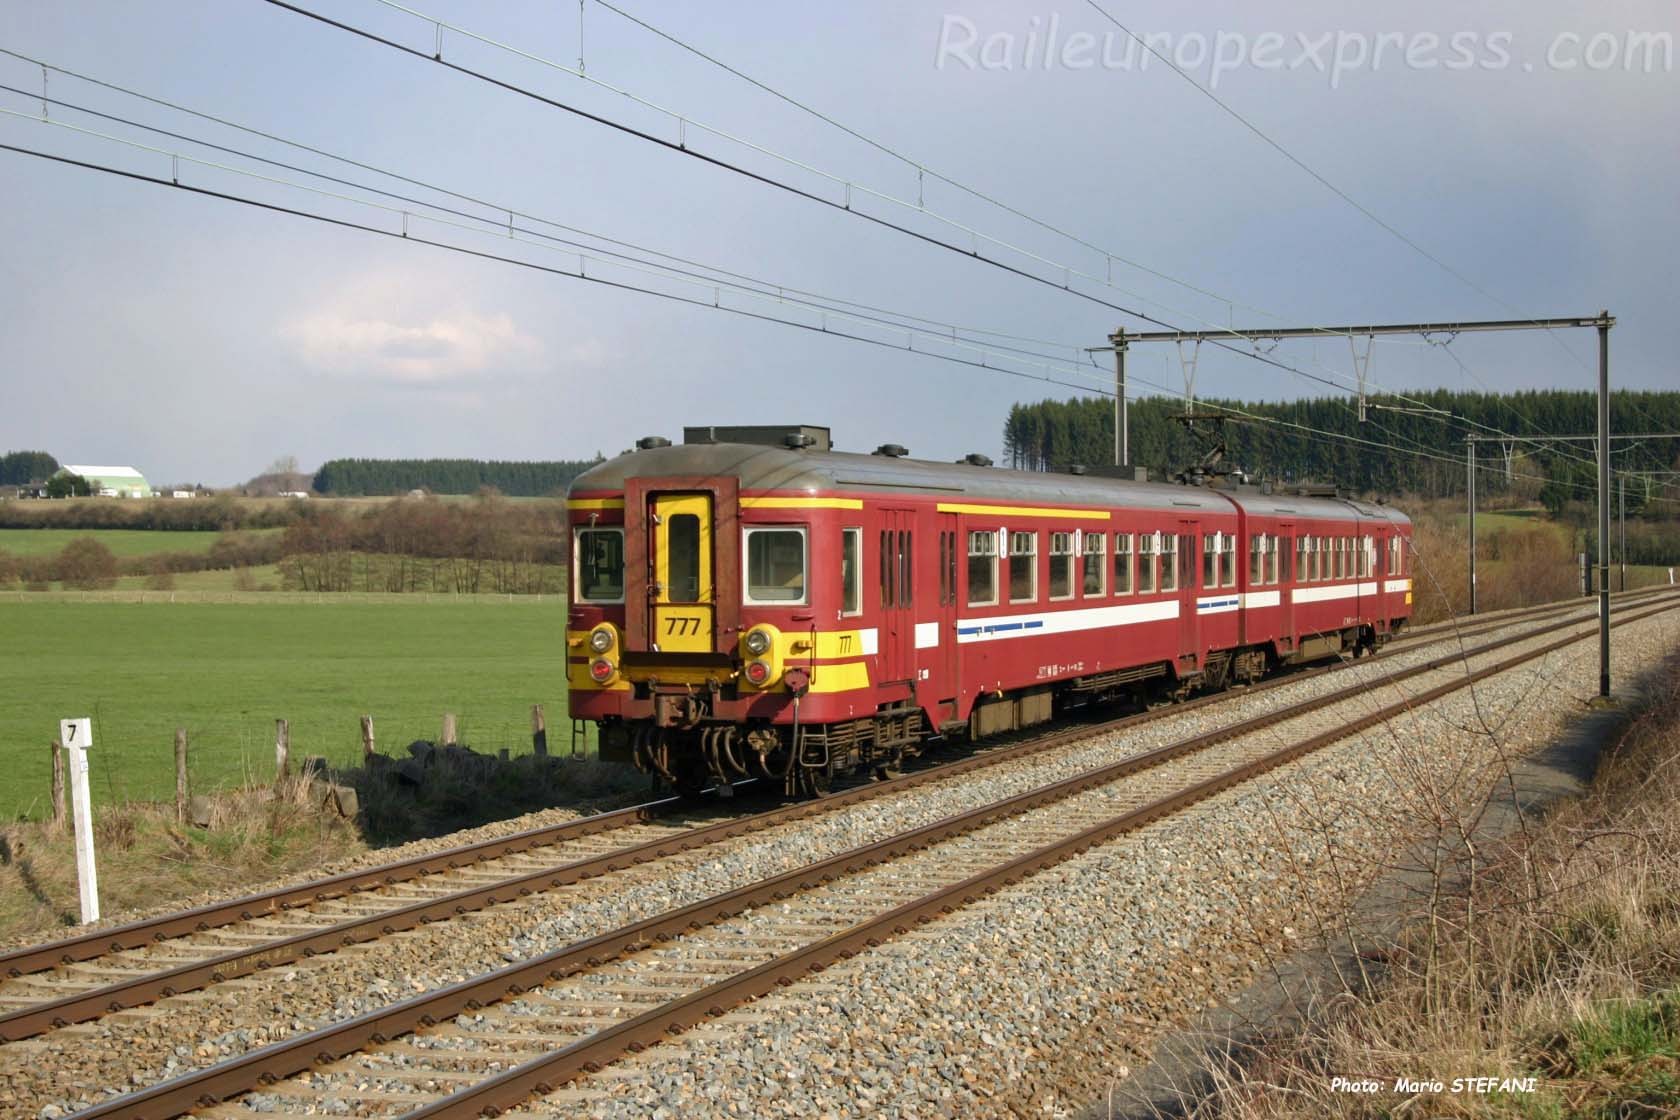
(754, 603)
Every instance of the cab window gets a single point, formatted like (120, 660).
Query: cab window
(599, 565)
(775, 560)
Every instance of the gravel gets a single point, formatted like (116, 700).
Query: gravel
(78, 1065)
(1032, 1002)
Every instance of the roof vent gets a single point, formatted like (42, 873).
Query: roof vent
(975, 459)
(648, 443)
(1077, 468)
(797, 440)
(762, 435)
(892, 450)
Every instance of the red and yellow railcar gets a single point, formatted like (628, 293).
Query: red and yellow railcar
(753, 602)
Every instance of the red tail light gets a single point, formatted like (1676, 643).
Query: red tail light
(601, 670)
(757, 672)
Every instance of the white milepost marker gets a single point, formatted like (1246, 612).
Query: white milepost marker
(77, 737)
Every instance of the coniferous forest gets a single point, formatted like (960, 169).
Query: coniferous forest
(1420, 451)
(362, 477)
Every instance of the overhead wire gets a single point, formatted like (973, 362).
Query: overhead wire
(342, 223)
(681, 147)
(942, 339)
(497, 208)
(1227, 108)
(484, 254)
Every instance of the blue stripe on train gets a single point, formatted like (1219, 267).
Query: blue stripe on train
(1001, 627)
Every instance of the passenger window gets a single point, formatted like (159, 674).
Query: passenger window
(1210, 560)
(1146, 562)
(1023, 567)
(851, 571)
(683, 543)
(775, 565)
(982, 568)
(1228, 560)
(1256, 559)
(1169, 563)
(1122, 563)
(599, 565)
(1095, 581)
(1061, 565)
(1271, 559)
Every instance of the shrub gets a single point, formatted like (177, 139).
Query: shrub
(160, 576)
(86, 565)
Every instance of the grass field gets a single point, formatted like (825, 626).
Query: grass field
(225, 670)
(121, 542)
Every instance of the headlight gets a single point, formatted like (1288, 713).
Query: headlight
(601, 640)
(757, 643)
(601, 670)
(757, 672)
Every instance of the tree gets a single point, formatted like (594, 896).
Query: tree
(68, 486)
(19, 467)
(87, 565)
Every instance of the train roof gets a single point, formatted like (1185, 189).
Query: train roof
(760, 467)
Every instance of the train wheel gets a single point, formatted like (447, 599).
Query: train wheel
(816, 781)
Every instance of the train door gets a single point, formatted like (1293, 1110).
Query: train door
(681, 598)
(937, 640)
(1183, 563)
(897, 656)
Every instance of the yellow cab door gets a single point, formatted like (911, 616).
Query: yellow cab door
(681, 597)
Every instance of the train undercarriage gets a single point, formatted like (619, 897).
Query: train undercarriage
(691, 752)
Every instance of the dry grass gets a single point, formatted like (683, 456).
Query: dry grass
(1555, 957)
(1517, 564)
(261, 834)
(146, 859)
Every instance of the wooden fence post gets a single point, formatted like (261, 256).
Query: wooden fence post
(448, 729)
(282, 750)
(57, 784)
(539, 731)
(367, 738)
(180, 775)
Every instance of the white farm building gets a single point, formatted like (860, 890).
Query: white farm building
(112, 482)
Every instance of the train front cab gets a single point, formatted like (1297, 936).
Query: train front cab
(744, 625)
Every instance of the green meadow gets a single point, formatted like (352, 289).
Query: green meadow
(225, 670)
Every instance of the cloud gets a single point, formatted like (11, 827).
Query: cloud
(457, 347)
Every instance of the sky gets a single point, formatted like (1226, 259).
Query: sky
(1527, 148)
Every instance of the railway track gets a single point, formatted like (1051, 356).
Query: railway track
(112, 970)
(537, 1024)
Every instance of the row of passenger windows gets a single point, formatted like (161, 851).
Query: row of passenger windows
(1150, 563)
(1328, 558)
(1083, 565)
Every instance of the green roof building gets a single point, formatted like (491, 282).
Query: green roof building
(112, 482)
